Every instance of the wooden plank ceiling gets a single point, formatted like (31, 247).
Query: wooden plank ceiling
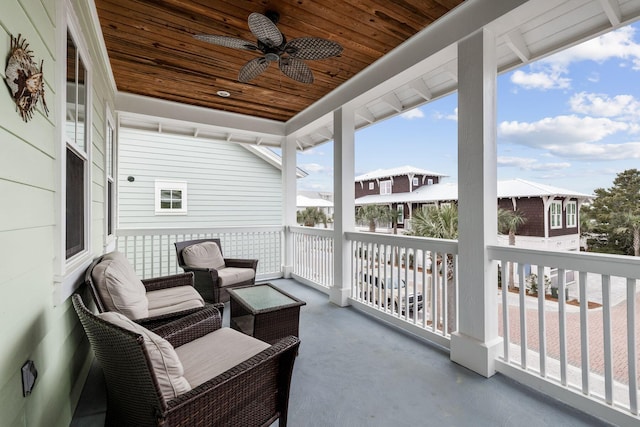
(153, 53)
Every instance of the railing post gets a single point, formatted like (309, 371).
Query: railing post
(475, 344)
(289, 194)
(344, 202)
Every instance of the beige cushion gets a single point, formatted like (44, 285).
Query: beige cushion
(215, 353)
(119, 286)
(165, 362)
(232, 275)
(203, 255)
(171, 300)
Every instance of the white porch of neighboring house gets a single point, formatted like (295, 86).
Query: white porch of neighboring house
(574, 354)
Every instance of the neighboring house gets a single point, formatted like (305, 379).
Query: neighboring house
(552, 213)
(180, 181)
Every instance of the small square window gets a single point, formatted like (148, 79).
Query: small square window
(430, 181)
(415, 182)
(371, 186)
(171, 198)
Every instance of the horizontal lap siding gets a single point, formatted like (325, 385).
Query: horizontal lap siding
(226, 184)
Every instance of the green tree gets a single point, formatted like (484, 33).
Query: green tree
(508, 222)
(440, 222)
(614, 215)
(311, 216)
(374, 215)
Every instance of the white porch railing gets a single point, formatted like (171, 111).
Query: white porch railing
(590, 348)
(313, 255)
(153, 254)
(397, 277)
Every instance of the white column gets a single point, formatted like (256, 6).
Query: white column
(343, 201)
(476, 342)
(289, 193)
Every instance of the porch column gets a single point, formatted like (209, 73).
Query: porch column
(289, 192)
(475, 343)
(343, 201)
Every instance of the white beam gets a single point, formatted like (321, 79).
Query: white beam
(476, 342)
(516, 43)
(325, 132)
(392, 100)
(612, 9)
(289, 193)
(421, 88)
(366, 114)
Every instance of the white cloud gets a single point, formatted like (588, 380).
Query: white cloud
(623, 106)
(527, 163)
(453, 116)
(543, 80)
(551, 72)
(311, 151)
(313, 167)
(560, 129)
(586, 151)
(416, 113)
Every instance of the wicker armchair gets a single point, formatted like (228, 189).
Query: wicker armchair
(212, 282)
(253, 392)
(184, 303)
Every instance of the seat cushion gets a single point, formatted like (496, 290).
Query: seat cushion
(171, 300)
(232, 275)
(215, 353)
(203, 255)
(119, 286)
(165, 362)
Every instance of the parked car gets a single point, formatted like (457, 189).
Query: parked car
(393, 289)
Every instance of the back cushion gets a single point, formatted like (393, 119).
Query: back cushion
(119, 286)
(203, 255)
(165, 362)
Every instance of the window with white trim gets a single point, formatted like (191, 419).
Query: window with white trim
(555, 214)
(430, 181)
(415, 182)
(371, 186)
(572, 215)
(385, 187)
(76, 169)
(171, 198)
(110, 155)
(400, 210)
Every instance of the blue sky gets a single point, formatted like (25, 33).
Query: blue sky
(571, 120)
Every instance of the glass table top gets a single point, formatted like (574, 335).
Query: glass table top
(261, 297)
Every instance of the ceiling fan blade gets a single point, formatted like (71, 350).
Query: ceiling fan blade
(265, 30)
(227, 41)
(296, 69)
(252, 69)
(312, 48)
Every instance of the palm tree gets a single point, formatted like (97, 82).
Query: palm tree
(509, 221)
(629, 222)
(374, 215)
(311, 216)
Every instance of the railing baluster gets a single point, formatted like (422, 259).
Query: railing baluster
(631, 346)
(562, 320)
(445, 295)
(505, 311)
(584, 332)
(523, 317)
(541, 323)
(606, 330)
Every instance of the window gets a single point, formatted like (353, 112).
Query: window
(371, 186)
(385, 187)
(415, 182)
(171, 198)
(430, 181)
(110, 149)
(77, 156)
(400, 210)
(571, 214)
(556, 214)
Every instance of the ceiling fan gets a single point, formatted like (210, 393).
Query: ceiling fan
(274, 47)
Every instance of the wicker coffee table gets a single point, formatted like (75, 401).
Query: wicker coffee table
(265, 312)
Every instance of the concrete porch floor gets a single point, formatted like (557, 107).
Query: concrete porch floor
(353, 370)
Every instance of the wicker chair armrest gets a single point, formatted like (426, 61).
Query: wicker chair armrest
(241, 263)
(152, 323)
(191, 327)
(156, 283)
(253, 383)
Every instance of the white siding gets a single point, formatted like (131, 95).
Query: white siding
(226, 184)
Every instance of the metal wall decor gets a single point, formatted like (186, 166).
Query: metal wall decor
(24, 78)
